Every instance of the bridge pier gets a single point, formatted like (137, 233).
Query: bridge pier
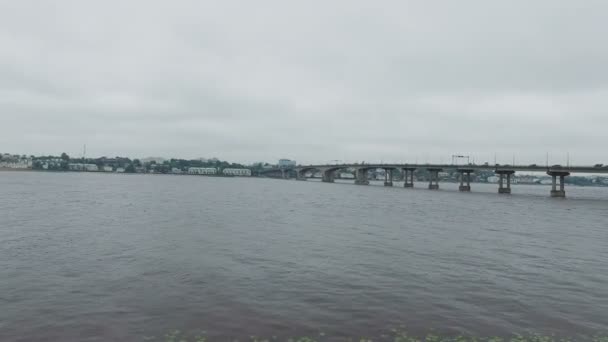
(388, 177)
(501, 187)
(561, 193)
(408, 183)
(328, 176)
(434, 179)
(463, 187)
(361, 177)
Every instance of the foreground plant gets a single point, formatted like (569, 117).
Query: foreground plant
(395, 336)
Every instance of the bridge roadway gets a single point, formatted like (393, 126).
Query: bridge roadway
(505, 172)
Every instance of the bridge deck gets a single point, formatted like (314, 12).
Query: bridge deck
(529, 168)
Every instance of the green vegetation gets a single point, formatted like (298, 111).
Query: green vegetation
(393, 336)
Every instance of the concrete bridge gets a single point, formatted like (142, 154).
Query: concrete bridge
(504, 172)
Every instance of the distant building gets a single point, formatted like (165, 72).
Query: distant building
(176, 171)
(237, 172)
(202, 171)
(378, 175)
(286, 163)
(15, 161)
(107, 168)
(71, 166)
(528, 180)
(496, 179)
(493, 179)
(21, 164)
(82, 167)
(346, 175)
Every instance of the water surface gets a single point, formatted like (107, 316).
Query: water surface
(97, 257)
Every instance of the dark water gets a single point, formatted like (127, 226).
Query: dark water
(92, 257)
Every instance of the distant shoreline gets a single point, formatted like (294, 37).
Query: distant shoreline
(252, 176)
(123, 173)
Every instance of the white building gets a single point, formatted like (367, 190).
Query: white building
(202, 171)
(21, 164)
(346, 175)
(82, 167)
(107, 168)
(237, 172)
(15, 161)
(71, 166)
(176, 171)
(493, 179)
(284, 163)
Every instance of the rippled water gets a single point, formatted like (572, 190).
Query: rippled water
(94, 257)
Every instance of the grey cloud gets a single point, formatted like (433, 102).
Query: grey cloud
(314, 81)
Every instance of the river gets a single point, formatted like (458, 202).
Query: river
(107, 257)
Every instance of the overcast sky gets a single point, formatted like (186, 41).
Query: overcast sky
(313, 81)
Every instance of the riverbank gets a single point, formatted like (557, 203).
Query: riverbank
(12, 169)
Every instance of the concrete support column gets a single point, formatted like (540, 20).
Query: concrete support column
(408, 183)
(361, 177)
(283, 174)
(434, 179)
(301, 176)
(561, 193)
(463, 174)
(388, 177)
(501, 186)
(327, 176)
